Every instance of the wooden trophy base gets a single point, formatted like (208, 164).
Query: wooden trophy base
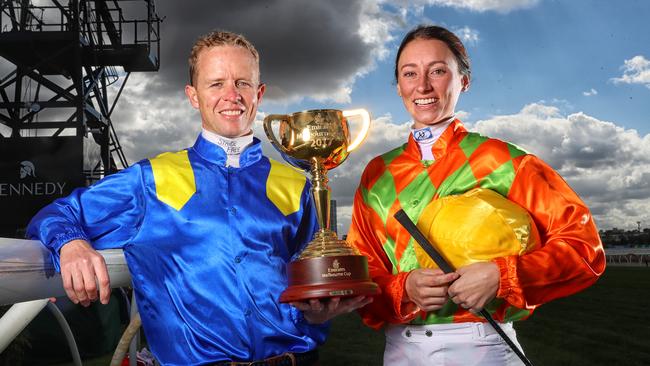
(328, 276)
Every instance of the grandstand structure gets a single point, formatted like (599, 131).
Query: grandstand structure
(63, 67)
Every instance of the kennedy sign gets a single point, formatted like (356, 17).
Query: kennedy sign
(34, 172)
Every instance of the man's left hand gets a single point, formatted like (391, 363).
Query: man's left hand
(318, 312)
(477, 285)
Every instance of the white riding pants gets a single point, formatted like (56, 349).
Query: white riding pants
(461, 344)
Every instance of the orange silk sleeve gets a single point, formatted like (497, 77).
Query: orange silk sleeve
(366, 234)
(570, 257)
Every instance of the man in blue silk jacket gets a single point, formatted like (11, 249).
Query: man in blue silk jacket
(206, 231)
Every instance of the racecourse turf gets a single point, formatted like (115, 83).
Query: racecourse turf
(607, 324)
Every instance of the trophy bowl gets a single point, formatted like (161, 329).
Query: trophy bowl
(317, 141)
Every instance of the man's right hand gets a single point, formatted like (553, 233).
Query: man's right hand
(82, 269)
(427, 288)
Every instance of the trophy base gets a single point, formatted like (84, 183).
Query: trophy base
(328, 276)
(304, 293)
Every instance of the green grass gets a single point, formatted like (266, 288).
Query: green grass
(607, 324)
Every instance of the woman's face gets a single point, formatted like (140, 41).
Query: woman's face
(428, 81)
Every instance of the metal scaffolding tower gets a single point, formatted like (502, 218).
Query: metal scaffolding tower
(55, 100)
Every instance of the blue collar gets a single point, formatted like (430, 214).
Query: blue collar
(215, 154)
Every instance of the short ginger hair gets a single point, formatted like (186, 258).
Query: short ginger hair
(215, 39)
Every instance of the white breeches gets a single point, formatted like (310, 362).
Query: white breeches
(460, 344)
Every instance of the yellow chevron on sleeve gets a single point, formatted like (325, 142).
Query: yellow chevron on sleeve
(174, 178)
(284, 187)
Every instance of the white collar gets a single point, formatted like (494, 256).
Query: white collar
(233, 147)
(425, 137)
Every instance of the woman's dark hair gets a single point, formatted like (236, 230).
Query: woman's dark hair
(442, 34)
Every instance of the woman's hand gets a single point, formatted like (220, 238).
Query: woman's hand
(477, 285)
(427, 288)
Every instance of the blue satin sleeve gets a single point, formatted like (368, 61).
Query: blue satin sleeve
(107, 214)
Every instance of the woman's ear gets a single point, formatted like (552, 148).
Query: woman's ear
(466, 83)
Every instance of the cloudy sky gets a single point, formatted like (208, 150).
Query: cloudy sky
(567, 80)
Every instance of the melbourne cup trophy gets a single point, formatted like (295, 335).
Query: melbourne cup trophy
(317, 141)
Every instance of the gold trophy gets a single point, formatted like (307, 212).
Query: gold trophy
(317, 141)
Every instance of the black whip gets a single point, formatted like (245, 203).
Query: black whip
(408, 224)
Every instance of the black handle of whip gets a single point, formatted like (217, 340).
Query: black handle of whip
(408, 224)
(425, 244)
(484, 313)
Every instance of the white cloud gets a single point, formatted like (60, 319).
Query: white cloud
(635, 71)
(501, 6)
(314, 51)
(607, 165)
(384, 135)
(468, 35)
(590, 93)
(5, 131)
(340, 95)
(376, 26)
(541, 110)
(463, 115)
(148, 124)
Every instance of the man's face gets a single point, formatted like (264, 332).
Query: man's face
(226, 90)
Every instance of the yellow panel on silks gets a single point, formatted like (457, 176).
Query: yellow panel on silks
(284, 187)
(174, 178)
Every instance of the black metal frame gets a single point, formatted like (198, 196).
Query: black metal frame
(65, 56)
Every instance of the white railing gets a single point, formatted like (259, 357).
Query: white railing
(628, 256)
(28, 279)
(625, 251)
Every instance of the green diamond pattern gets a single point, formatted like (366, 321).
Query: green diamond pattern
(516, 151)
(391, 155)
(443, 316)
(471, 142)
(417, 195)
(389, 249)
(500, 180)
(382, 193)
(409, 261)
(413, 199)
(460, 181)
(514, 314)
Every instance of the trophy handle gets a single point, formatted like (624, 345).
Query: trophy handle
(269, 131)
(365, 119)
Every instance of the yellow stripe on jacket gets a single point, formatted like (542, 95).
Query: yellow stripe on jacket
(284, 187)
(174, 178)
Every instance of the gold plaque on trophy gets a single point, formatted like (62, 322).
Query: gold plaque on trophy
(317, 141)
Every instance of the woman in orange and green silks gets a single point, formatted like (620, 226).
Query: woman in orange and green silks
(552, 251)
